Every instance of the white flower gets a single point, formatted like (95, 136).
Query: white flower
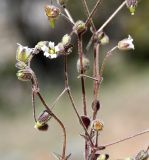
(126, 44)
(51, 45)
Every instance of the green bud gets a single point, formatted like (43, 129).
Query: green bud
(23, 53)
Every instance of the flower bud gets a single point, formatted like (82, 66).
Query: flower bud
(23, 53)
(85, 63)
(131, 4)
(24, 75)
(103, 157)
(79, 27)
(126, 44)
(52, 13)
(66, 40)
(97, 125)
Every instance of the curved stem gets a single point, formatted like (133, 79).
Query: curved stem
(108, 54)
(59, 122)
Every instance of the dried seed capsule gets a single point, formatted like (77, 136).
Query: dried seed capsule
(86, 121)
(131, 4)
(79, 27)
(24, 75)
(96, 105)
(97, 125)
(85, 63)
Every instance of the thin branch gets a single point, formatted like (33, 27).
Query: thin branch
(69, 15)
(92, 13)
(108, 54)
(88, 14)
(58, 98)
(112, 16)
(33, 105)
(72, 100)
(84, 75)
(127, 138)
(67, 18)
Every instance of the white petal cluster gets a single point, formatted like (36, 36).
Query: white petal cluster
(126, 44)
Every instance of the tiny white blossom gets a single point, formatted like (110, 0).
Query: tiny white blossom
(126, 44)
(53, 56)
(51, 45)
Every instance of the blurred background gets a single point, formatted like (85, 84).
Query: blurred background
(124, 92)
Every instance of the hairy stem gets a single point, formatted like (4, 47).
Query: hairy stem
(72, 100)
(80, 51)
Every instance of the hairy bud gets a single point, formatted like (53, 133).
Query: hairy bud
(79, 27)
(86, 121)
(85, 63)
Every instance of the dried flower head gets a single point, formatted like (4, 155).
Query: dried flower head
(85, 63)
(131, 4)
(52, 13)
(23, 53)
(97, 125)
(126, 44)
